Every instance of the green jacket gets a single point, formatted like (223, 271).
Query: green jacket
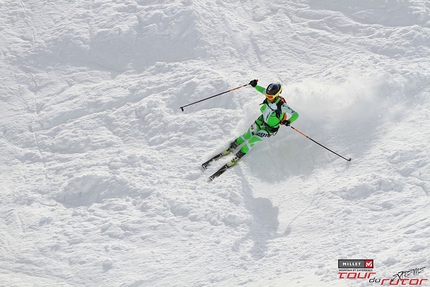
(274, 114)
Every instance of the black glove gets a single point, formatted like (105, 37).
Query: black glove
(287, 123)
(253, 82)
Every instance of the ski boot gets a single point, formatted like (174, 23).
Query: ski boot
(236, 158)
(233, 145)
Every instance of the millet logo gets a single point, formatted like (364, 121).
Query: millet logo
(355, 263)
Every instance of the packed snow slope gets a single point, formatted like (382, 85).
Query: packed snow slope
(100, 170)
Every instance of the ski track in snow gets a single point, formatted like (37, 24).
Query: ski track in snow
(100, 173)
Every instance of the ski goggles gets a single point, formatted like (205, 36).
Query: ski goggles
(272, 97)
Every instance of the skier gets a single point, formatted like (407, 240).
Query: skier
(274, 113)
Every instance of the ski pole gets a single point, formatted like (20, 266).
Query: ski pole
(347, 159)
(182, 108)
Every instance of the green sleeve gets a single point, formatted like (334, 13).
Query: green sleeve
(260, 89)
(293, 117)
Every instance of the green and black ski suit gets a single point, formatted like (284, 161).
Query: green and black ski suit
(273, 115)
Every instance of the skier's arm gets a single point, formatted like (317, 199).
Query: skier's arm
(260, 89)
(253, 83)
(287, 109)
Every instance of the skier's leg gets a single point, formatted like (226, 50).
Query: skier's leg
(254, 138)
(241, 139)
(247, 135)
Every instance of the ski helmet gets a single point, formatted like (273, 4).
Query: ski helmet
(273, 90)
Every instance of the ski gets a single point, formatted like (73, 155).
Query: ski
(217, 157)
(220, 171)
(224, 168)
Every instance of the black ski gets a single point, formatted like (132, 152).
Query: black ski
(220, 171)
(217, 157)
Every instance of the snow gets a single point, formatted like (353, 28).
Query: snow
(100, 172)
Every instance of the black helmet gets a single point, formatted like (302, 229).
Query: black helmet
(274, 89)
